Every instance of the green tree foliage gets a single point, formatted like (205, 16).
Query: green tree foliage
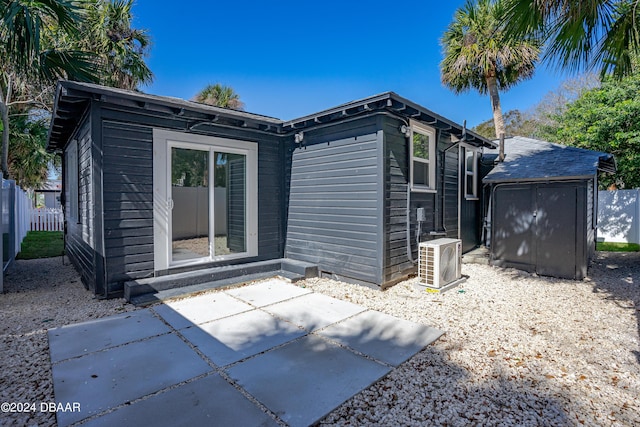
(516, 122)
(601, 35)
(121, 50)
(479, 55)
(189, 168)
(42, 41)
(28, 160)
(540, 121)
(219, 96)
(30, 59)
(606, 119)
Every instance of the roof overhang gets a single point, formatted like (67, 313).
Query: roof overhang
(388, 102)
(536, 180)
(73, 98)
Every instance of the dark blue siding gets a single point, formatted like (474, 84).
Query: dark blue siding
(128, 202)
(334, 211)
(126, 206)
(79, 237)
(396, 165)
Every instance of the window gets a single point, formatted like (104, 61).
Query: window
(71, 181)
(423, 158)
(470, 172)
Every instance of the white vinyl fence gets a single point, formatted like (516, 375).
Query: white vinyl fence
(47, 219)
(15, 207)
(619, 216)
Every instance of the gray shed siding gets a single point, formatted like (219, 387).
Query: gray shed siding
(592, 203)
(543, 227)
(79, 224)
(334, 217)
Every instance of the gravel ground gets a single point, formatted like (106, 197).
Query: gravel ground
(518, 350)
(39, 294)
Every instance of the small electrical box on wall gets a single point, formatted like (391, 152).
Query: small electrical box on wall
(421, 215)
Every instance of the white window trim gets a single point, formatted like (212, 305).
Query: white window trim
(473, 195)
(163, 141)
(72, 181)
(431, 132)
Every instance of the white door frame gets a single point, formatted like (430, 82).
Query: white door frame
(163, 141)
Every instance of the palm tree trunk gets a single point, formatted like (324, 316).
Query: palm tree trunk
(4, 112)
(498, 120)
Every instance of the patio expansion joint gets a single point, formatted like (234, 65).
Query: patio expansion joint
(142, 398)
(346, 347)
(103, 350)
(216, 369)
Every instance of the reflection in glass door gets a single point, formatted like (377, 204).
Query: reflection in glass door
(230, 203)
(189, 204)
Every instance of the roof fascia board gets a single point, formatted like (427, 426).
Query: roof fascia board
(547, 179)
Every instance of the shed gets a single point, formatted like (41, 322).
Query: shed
(543, 207)
(161, 192)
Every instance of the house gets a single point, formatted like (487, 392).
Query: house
(542, 213)
(48, 195)
(157, 188)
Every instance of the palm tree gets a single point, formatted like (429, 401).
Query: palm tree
(27, 61)
(599, 35)
(107, 32)
(219, 96)
(478, 55)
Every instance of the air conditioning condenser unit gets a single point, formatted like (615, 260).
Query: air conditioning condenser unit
(440, 263)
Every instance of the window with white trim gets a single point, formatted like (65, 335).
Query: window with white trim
(71, 181)
(470, 173)
(423, 158)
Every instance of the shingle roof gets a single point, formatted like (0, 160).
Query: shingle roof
(529, 159)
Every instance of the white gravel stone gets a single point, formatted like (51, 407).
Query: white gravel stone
(519, 350)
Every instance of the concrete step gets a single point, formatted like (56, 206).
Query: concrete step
(148, 291)
(479, 255)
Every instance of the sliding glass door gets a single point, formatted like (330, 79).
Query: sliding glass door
(190, 204)
(205, 206)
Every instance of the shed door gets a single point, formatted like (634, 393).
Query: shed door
(556, 231)
(512, 226)
(534, 228)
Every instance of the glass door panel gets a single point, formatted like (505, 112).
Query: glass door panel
(189, 204)
(230, 203)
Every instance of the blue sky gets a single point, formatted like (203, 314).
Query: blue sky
(287, 59)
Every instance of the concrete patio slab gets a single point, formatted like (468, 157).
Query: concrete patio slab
(268, 292)
(306, 379)
(200, 309)
(298, 353)
(314, 311)
(234, 338)
(204, 402)
(105, 379)
(82, 338)
(383, 337)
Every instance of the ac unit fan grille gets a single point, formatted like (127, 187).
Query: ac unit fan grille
(439, 262)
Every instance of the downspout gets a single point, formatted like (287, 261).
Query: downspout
(408, 227)
(405, 129)
(444, 185)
